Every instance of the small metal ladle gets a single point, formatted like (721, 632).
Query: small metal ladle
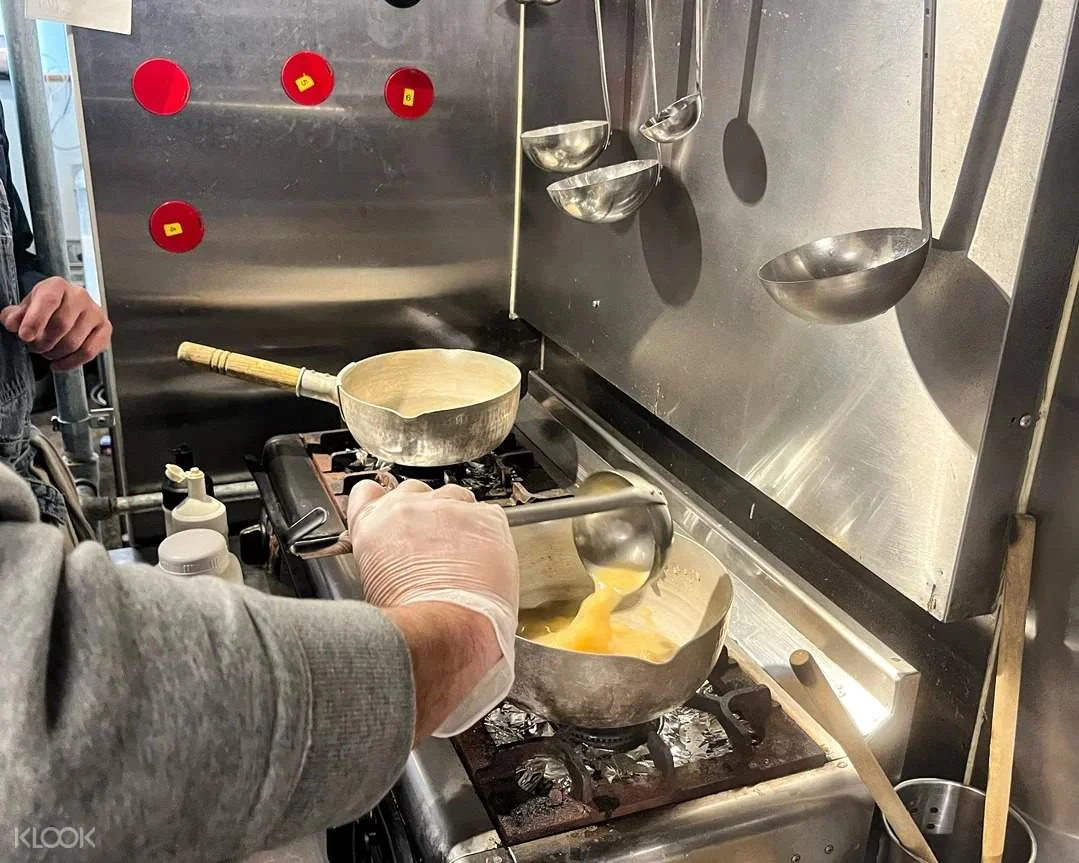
(680, 117)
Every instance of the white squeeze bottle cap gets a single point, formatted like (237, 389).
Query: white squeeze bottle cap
(198, 552)
(200, 510)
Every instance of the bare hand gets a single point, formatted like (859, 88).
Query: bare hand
(61, 322)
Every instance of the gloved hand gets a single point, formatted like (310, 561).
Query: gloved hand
(417, 545)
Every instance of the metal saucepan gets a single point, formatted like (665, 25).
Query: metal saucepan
(689, 603)
(420, 408)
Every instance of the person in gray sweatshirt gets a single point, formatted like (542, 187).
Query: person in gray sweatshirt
(145, 717)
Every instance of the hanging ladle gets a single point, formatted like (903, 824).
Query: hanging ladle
(680, 117)
(613, 193)
(854, 277)
(570, 147)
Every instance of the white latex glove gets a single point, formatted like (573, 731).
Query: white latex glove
(417, 545)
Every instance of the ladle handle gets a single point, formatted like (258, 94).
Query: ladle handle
(602, 52)
(572, 507)
(534, 513)
(925, 121)
(830, 712)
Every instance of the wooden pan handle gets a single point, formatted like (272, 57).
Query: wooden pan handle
(830, 712)
(1013, 618)
(240, 366)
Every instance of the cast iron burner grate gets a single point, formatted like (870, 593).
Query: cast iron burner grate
(510, 475)
(537, 779)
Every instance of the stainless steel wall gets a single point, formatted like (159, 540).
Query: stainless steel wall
(898, 439)
(1046, 757)
(333, 232)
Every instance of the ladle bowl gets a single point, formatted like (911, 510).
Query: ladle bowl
(633, 538)
(566, 148)
(682, 116)
(675, 121)
(847, 278)
(606, 194)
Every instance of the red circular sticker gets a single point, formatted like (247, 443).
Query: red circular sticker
(307, 78)
(409, 93)
(161, 86)
(176, 226)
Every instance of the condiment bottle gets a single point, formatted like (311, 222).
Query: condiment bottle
(198, 551)
(199, 510)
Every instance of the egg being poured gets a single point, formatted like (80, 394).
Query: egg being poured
(592, 629)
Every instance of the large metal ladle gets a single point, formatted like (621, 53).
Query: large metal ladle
(620, 521)
(569, 147)
(853, 277)
(615, 192)
(680, 117)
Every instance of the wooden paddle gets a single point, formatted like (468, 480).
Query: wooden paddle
(830, 713)
(1013, 617)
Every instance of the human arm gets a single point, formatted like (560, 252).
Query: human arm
(193, 720)
(27, 263)
(57, 320)
(451, 649)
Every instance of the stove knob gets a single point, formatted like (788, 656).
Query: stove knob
(254, 545)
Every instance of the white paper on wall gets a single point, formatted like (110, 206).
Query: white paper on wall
(111, 15)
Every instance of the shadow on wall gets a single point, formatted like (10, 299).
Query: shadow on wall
(743, 153)
(671, 241)
(953, 320)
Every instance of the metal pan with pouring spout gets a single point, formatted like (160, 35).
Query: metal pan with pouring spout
(420, 408)
(689, 603)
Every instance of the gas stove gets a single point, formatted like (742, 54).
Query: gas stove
(738, 773)
(539, 780)
(508, 476)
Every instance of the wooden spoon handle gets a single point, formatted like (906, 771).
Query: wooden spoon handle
(829, 712)
(240, 366)
(1013, 617)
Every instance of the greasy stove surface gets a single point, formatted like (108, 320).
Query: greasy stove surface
(538, 780)
(510, 475)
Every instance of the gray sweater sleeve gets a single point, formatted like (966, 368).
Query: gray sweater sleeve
(182, 719)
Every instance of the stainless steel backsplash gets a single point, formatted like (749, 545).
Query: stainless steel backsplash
(898, 439)
(332, 232)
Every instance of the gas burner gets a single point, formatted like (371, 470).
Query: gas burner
(609, 739)
(537, 779)
(510, 475)
(353, 461)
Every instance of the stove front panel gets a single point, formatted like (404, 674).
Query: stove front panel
(817, 817)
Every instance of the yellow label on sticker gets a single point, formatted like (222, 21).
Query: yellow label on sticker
(409, 97)
(305, 83)
(173, 229)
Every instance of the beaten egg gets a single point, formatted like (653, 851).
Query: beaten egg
(593, 629)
